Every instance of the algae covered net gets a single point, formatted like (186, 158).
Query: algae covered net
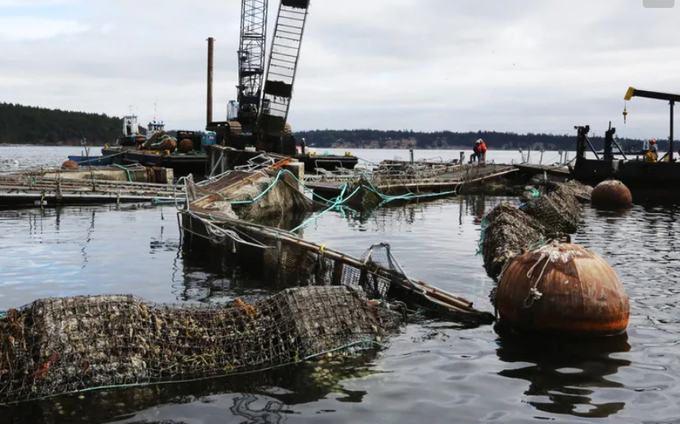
(506, 230)
(74, 344)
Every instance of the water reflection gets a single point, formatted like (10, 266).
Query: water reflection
(257, 398)
(564, 374)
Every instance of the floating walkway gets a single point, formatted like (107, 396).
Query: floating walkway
(31, 190)
(420, 179)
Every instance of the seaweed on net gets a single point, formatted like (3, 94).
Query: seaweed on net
(559, 211)
(74, 344)
(507, 230)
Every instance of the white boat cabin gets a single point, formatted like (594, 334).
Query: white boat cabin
(130, 126)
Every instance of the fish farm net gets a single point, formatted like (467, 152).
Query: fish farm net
(506, 230)
(285, 261)
(75, 344)
(559, 211)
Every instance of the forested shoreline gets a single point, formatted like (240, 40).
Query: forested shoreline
(407, 139)
(40, 126)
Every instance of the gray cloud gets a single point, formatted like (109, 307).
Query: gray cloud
(523, 66)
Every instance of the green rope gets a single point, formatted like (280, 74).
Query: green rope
(124, 169)
(259, 196)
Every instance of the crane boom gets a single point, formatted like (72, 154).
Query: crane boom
(672, 98)
(251, 60)
(283, 61)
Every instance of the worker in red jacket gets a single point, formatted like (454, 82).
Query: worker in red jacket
(482, 150)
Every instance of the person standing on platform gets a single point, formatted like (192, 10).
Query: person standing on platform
(653, 152)
(475, 153)
(482, 150)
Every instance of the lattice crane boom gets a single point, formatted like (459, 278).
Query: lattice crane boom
(251, 60)
(284, 56)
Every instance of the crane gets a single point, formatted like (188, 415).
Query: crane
(251, 55)
(264, 94)
(671, 98)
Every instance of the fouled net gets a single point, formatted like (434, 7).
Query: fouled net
(559, 211)
(507, 230)
(580, 191)
(73, 344)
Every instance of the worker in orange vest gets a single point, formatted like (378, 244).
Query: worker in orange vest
(482, 150)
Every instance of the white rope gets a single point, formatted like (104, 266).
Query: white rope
(534, 294)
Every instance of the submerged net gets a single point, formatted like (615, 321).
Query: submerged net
(286, 261)
(66, 345)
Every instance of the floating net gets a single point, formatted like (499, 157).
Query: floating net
(506, 230)
(559, 211)
(74, 344)
(580, 191)
(250, 195)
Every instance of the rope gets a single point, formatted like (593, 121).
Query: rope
(534, 294)
(126, 170)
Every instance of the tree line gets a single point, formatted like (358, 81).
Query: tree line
(366, 138)
(34, 125)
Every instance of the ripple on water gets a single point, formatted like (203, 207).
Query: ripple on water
(432, 371)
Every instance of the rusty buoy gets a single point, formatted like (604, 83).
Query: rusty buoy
(562, 288)
(69, 164)
(185, 146)
(169, 144)
(611, 194)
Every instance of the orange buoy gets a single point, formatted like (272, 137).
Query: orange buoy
(69, 164)
(562, 288)
(185, 146)
(169, 144)
(611, 194)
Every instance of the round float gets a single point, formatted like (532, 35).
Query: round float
(611, 194)
(562, 288)
(185, 146)
(69, 164)
(169, 144)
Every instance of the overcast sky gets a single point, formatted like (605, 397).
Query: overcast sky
(426, 65)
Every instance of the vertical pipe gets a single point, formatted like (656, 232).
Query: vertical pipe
(671, 139)
(209, 109)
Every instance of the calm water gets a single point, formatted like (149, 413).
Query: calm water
(433, 372)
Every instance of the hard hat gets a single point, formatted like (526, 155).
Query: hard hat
(652, 141)
(479, 141)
